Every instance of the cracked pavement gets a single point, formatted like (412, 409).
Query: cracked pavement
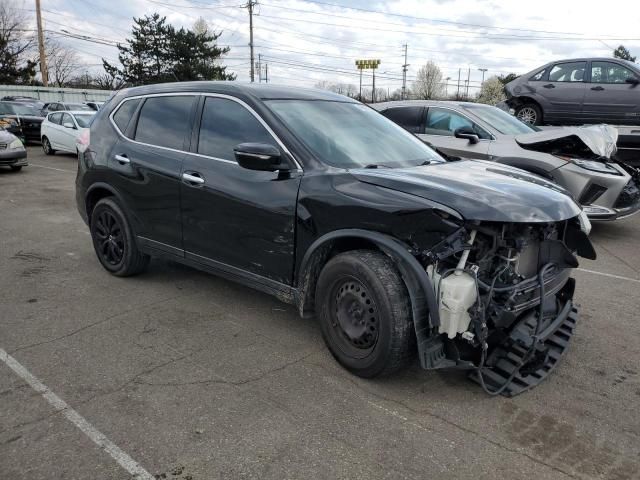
(199, 378)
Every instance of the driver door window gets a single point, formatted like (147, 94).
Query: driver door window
(568, 72)
(442, 121)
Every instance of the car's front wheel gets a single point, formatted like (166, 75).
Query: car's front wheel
(46, 147)
(529, 113)
(365, 313)
(113, 240)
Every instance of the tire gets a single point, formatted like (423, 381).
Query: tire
(530, 113)
(365, 313)
(46, 146)
(113, 240)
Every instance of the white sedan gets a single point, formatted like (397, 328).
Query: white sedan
(60, 130)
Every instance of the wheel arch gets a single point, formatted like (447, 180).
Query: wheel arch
(97, 192)
(420, 288)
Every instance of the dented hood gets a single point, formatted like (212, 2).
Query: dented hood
(579, 142)
(479, 190)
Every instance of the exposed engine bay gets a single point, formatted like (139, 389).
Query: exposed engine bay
(504, 297)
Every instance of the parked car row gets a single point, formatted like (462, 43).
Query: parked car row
(328, 205)
(23, 116)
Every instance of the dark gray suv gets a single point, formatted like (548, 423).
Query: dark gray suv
(578, 91)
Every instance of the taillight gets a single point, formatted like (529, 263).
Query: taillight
(82, 142)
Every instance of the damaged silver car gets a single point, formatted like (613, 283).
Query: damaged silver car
(580, 159)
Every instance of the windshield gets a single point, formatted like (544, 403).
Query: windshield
(351, 135)
(83, 120)
(19, 109)
(78, 106)
(500, 120)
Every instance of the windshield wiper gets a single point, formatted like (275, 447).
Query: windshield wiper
(376, 165)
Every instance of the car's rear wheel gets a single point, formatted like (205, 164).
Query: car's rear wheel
(529, 113)
(365, 313)
(46, 147)
(113, 240)
(16, 168)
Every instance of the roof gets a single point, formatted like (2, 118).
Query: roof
(262, 91)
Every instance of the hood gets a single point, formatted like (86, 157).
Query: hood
(6, 137)
(479, 190)
(595, 141)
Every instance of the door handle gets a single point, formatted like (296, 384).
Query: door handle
(192, 178)
(122, 159)
(549, 85)
(597, 88)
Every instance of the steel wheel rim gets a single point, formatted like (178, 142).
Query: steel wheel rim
(354, 317)
(528, 115)
(110, 241)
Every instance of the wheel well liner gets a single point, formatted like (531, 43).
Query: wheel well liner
(422, 295)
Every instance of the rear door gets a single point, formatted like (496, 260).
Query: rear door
(609, 98)
(146, 164)
(235, 219)
(439, 128)
(562, 93)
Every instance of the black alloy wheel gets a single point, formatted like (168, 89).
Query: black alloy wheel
(111, 244)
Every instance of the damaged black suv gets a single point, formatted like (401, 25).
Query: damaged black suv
(326, 204)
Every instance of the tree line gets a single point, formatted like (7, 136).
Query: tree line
(155, 52)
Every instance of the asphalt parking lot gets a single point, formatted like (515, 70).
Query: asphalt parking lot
(192, 377)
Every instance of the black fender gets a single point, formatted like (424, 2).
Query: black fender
(135, 223)
(421, 292)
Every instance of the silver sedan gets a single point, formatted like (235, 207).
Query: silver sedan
(575, 158)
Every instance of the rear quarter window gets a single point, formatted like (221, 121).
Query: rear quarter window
(124, 113)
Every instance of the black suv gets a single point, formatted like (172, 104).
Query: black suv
(326, 204)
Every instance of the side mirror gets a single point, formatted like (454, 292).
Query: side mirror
(467, 133)
(633, 81)
(259, 156)
(68, 125)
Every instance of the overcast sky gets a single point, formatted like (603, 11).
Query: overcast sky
(503, 37)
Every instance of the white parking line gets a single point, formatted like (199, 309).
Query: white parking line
(124, 460)
(610, 275)
(51, 168)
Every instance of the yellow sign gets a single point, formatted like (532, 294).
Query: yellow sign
(367, 64)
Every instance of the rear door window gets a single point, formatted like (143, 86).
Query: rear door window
(55, 118)
(409, 118)
(165, 121)
(125, 112)
(568, 72)
(225, 124)
(609, 72)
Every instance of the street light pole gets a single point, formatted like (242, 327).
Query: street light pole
(483, 70)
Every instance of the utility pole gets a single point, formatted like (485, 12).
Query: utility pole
(373, 90)
(250, 6)
(43, 58)
(266, 73)
(483, 70)
(259, 67)
(458, 94)
(404, 73)
(468, 78)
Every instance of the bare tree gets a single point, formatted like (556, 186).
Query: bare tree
(347, 89)
(428, 83)
(200, 27)
(105, 81)
(62, 62)
(492, 91)
(16, 45)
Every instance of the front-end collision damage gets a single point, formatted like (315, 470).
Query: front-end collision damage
(504, 296)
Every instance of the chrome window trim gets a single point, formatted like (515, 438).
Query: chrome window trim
(200, 94)
(429, 107)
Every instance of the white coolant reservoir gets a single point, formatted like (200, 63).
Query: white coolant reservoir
(457, 295)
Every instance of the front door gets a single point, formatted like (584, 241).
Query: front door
(439, 131)
(233, 218)
(609, 98)
(67, 135)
